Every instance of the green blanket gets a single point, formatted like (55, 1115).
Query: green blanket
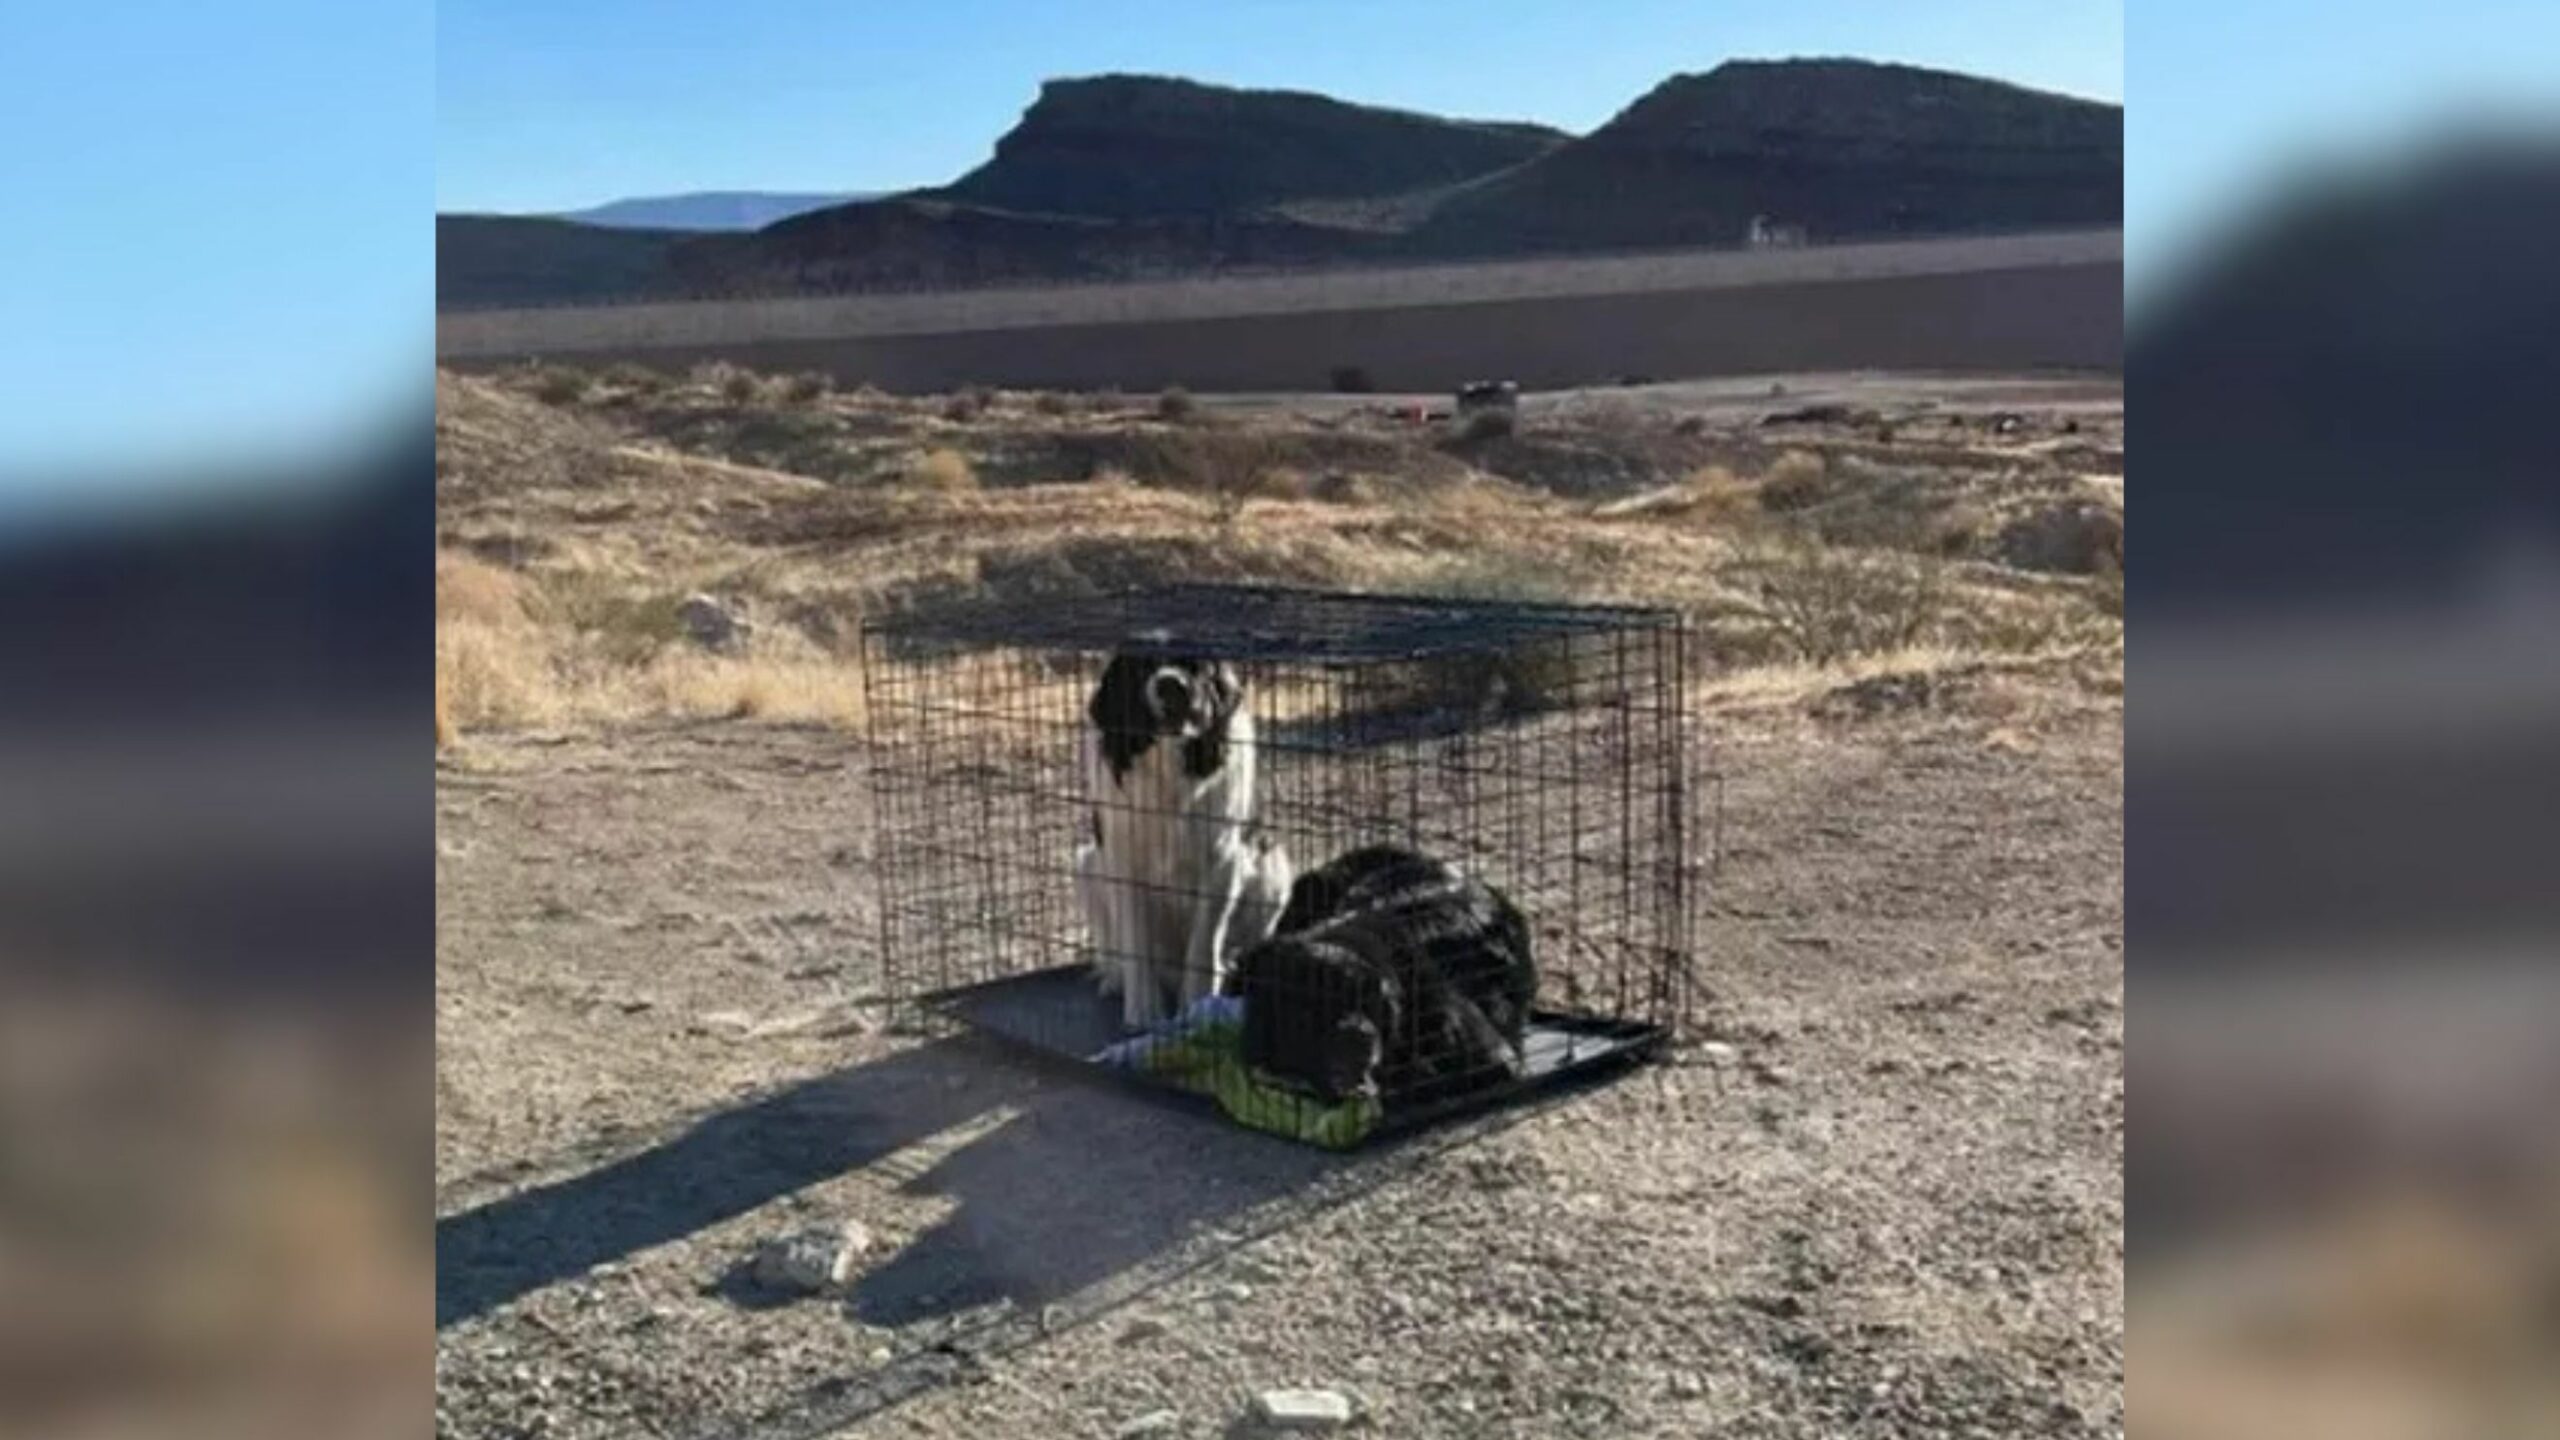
(1199, 1051)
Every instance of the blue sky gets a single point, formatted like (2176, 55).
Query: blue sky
(217, 231)
(560, 105)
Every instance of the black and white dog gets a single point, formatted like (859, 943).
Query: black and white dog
(1173, 878)
(1390, 974)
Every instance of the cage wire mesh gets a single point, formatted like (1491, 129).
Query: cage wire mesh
(1525, 759)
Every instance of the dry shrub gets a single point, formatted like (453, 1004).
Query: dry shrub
(560, 384)
(1336, 487)
(1958, 529)
(1050, 402)
(1719, 498)
(966, 405)
(735, 382)
(1213, 459)
(943, 470)
(635, 378)
(1280, 482)
(1492, 424)
(471, 590)
(1794, 482)
(2081, 537)
(619, 625)
(492, 675)
(1827, 605)
(1175, 405)
(1518, 678)
(806, 386)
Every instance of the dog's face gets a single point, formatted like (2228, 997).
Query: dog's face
(1144, 699)
(1317, 1015)
(1187, 696)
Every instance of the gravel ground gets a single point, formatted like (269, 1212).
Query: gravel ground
(1878, 1191)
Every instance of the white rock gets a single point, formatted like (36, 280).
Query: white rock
(813, 1260)
(1716, 1052)
(1308, 1410)
(1154, 1422)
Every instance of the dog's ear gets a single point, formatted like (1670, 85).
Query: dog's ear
(1119, 712)
(1216, 694)
(1312, 899)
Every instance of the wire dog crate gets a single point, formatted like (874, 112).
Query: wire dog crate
(1523, 764)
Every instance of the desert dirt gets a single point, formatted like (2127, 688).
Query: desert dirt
(1874, 1188)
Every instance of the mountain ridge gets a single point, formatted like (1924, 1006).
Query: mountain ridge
(1121, 176)
(708, 210)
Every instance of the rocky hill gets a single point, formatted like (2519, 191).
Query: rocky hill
(488, 260)
(1839, 148)
(1118, 176)
(918, 241)
(1127, 146)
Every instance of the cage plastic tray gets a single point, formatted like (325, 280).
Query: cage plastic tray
(1059, 1013)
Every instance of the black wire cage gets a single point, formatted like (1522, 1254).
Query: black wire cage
(1342, 863)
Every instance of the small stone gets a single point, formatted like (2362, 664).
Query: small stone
(1303, 1410)
(880, 1355)
(1141, 1330)
(1717, 1052)
(1154, 1422)
(813, 1260)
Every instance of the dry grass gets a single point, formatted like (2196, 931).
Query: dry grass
(813, 689)
(515, 653)
(1810, 565)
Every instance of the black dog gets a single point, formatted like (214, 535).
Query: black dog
(1390, 974)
